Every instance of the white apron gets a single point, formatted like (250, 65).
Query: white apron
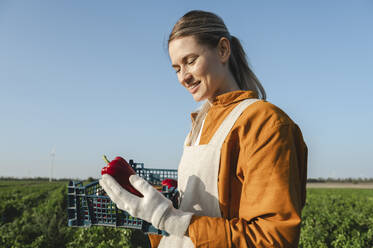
(198, 176)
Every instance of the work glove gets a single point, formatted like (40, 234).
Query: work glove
(153, 207)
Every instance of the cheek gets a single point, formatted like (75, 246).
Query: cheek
(201, 70)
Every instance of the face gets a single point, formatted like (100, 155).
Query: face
(199, 68)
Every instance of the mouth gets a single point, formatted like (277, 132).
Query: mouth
(193, 87)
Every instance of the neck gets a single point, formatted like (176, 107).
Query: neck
(229, 84)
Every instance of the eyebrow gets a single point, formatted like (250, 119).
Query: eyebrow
(185, 58)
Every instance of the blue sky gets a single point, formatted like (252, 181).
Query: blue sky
(93, 77)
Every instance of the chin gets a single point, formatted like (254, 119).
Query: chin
(198, 98)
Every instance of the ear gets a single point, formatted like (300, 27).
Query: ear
(224, 49)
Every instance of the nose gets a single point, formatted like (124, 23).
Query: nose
(186, 78)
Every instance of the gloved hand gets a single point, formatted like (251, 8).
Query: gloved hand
(153, 207)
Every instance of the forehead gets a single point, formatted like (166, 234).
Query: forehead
(181, 47)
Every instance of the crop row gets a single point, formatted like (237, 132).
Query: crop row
(34, 215)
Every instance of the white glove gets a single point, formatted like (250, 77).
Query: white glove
(153, 207)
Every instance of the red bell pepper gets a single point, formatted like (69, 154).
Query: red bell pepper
(121, 171)
(174, 197)
(169, 183)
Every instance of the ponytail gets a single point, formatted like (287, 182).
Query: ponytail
(241, 71)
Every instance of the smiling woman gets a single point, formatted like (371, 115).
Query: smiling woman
(203, 71)
(243, 171)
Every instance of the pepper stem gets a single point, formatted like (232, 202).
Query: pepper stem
(105, 159)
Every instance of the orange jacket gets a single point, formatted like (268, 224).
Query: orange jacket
(262, 178)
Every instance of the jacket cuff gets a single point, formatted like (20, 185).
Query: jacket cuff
(209, 231)
(154, 240)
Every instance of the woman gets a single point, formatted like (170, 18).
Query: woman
(243, 171)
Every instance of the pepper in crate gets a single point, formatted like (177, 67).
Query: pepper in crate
(170, 185)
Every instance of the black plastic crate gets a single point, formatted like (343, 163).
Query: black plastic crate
(89, 205)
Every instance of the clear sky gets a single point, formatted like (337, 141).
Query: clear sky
(86, 78)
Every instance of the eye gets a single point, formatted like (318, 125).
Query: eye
(176, 68)
(191, 60)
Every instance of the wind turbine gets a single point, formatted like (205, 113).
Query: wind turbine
(52, 154)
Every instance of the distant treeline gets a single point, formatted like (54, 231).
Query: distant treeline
(309, 180)
(37, 179)
(340, 180)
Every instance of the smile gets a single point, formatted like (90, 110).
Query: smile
(193, 87)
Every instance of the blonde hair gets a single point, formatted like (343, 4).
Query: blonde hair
(208, 28)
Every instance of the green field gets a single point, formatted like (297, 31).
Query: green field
(33, 214)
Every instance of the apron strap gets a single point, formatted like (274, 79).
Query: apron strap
(187, 139)
(229, 121)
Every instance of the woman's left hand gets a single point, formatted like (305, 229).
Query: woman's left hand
(153, 207)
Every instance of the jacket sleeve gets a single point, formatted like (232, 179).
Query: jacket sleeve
(154, 240)
(272, 196)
